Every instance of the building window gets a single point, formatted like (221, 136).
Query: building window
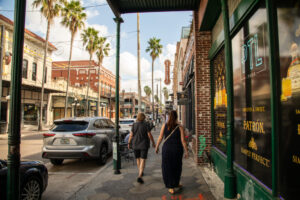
(24, 68)
(82, 71)
(34, 68)
(251, 83)
(96, 77)
(93, 71)
(289, 52)
(77, 78)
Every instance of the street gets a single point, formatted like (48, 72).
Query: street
(64, 180)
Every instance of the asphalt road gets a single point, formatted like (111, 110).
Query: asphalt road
(64, 180)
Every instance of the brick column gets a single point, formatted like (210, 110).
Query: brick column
(202, 90)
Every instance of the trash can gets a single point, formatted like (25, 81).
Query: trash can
(3, 125)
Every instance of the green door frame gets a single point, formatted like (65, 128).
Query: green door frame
(230, 178)
(13, 158)
(274, 65)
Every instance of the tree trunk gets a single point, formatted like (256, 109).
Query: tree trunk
(40, 127)
(139, 65)
(87, 90)
(152, 89)
(68, 79)
(99, 90)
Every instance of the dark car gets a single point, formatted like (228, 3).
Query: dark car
(33, 179)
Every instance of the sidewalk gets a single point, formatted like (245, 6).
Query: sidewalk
(105, 185)
(26, 131)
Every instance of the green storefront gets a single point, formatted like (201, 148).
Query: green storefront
(255, 81)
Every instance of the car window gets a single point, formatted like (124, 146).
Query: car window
(126, 121)
(104, 123)
(98, 124)
(66, 126)
(110, 123)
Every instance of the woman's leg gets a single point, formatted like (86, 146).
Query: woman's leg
(142, 166)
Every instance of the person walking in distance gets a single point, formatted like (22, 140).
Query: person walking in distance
(140, 137)
(172, 152)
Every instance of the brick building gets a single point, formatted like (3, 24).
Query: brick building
(79, 78)
(129, 108)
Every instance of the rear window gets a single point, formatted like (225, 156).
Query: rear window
(66, 126)
(126, 122)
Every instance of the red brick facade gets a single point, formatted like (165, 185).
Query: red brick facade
(202, 45)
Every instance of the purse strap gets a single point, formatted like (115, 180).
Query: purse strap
(171, 133)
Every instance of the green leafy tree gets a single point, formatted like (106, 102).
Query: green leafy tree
(155, 49)
(147, 90)
(166, 93)
(73, 19)
(102, 51)
(49, 9)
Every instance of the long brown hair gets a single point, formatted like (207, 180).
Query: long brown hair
(172, 122)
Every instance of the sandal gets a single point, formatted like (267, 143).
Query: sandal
(171, 191)
(180, 186)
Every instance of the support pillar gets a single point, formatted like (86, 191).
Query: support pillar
(116, 152)
(230, 179)
(13, 158)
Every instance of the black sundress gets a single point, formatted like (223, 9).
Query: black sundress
(172, 153)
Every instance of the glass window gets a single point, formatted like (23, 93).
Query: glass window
(24, 68)
(251, 80)
(65, 126)
(220, 101)
(34, 68)
(289, 137)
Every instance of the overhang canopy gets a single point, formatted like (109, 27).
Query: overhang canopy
(132, 6)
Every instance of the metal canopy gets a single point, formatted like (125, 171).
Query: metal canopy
(131, 6)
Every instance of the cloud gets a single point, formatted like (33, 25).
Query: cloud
(92, 13)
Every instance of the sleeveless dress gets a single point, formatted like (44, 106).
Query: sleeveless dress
(172, 153)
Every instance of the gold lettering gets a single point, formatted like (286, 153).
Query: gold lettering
(296, 159)
(298, 129)
(221, 124)
(255, 126)
(258, 158)
(298, 111)
(255, 109)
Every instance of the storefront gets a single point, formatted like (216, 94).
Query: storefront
(264, 143)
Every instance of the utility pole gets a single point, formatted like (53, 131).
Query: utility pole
(139, 65)
(110, 102)
(157, 102)
(1, 61)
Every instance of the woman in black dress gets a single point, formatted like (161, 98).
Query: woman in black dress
(172, 152)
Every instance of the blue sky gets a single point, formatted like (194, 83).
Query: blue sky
(164, 25)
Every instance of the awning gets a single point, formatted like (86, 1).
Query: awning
(132, 6)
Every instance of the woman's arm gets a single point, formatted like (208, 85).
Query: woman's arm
(129, 140)
(160, 137)
(151, 138)
(182, 137)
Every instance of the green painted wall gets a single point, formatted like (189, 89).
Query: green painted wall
(247, 187)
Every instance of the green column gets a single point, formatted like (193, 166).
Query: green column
(230, 179)
(212, 95)
(275, 88)
(116, 153)
(13, 158)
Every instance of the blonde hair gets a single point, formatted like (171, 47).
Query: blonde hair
(141, 117)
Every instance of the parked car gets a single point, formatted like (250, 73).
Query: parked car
(33, 179)
(82, 138)
(126, 124)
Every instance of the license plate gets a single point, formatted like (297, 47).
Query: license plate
(64, 141)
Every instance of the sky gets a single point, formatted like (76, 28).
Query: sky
(164, 25)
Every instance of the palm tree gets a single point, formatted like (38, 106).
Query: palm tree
(166, 93)
(73, 19)
(155, 49)
(90, 40)
(156, 98)
(147, 90)
(102, 50)
(49, 9)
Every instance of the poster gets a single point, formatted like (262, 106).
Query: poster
(220, 102)
(252, 114)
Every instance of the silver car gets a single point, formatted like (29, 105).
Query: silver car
(88, 137)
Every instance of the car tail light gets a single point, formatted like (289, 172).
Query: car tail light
(48, 134)
(84, 134)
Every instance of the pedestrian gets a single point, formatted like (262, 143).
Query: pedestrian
(140, 137)
(167, 117)
(172, 152)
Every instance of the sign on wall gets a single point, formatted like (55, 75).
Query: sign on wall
(220, 102)
(252, 116)
(167, 72)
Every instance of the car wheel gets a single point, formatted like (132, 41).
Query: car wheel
(32, 189)
(57, 161)
(103, 154)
